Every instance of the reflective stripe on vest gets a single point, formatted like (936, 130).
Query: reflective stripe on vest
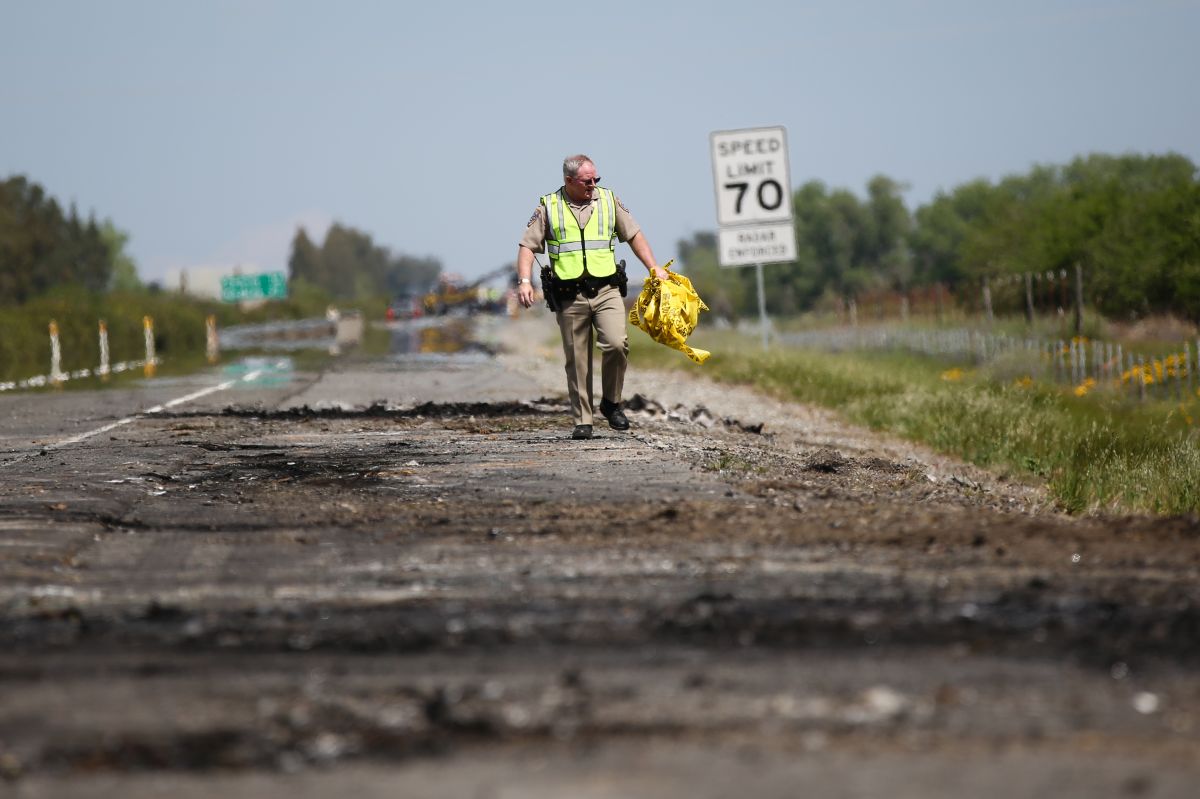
(573, 251)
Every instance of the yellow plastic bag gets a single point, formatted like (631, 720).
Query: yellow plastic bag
(668, 311)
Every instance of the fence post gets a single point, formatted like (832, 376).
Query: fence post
(1078, 298)
(1187, 361)
(987, 300)
(1028, 298)
(56, 373)
(1178, 375)
(1197, 361)
(148, 332)
(1141, 377)
(104, 368)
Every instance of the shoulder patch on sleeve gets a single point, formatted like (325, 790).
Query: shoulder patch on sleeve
(618, 199)
(532, 218)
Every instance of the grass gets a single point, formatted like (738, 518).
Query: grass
(1097, 452)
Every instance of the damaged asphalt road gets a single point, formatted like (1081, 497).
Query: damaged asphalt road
(401, 574)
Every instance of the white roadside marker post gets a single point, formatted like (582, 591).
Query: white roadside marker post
(214, 344)
(148, 331)
(56, 373)
(104, 369)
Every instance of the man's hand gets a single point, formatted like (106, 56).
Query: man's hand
(659, 273)
(525, 276)
(525, 294)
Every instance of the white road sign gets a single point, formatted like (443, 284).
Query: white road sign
(773, 242)
(750, 168)
(754, 196)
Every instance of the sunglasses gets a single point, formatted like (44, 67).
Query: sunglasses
(592, 182)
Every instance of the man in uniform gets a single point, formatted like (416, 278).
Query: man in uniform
(579, 226)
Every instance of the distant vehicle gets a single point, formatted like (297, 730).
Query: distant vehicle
(406, 307)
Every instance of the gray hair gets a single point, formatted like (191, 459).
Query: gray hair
(572, 163)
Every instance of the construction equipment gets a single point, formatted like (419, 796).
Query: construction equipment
(454, 294)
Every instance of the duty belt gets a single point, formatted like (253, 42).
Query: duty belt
(559, 292)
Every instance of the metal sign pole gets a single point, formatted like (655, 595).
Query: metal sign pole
(762, 304)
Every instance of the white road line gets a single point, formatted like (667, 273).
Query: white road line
(96, 432)
(204, 392)
(195, 395)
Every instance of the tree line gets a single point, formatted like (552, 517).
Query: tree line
(43, 246)
(349, 265)
(1131, 221)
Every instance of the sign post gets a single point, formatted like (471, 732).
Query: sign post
(753, 187)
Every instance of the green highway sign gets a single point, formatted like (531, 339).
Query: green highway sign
(265, 286)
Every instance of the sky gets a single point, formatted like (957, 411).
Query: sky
(210, 130)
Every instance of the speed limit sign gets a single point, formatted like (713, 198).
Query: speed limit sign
(754, 196)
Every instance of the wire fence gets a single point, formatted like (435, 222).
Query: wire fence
(1083, 364)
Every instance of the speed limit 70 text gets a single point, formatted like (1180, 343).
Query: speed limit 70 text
(768, 193)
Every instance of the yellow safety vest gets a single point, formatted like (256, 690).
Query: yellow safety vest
(573, 251)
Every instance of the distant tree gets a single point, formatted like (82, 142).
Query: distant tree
(844, 244)
(349, 265)
(890, 223)
(354, 266)
(941, 229)
(124, 276)
(43, 248)
(305, 263)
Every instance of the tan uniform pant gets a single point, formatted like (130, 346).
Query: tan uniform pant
(605, 314)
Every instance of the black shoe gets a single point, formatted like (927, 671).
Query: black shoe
(582, 431)
(612, 412)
